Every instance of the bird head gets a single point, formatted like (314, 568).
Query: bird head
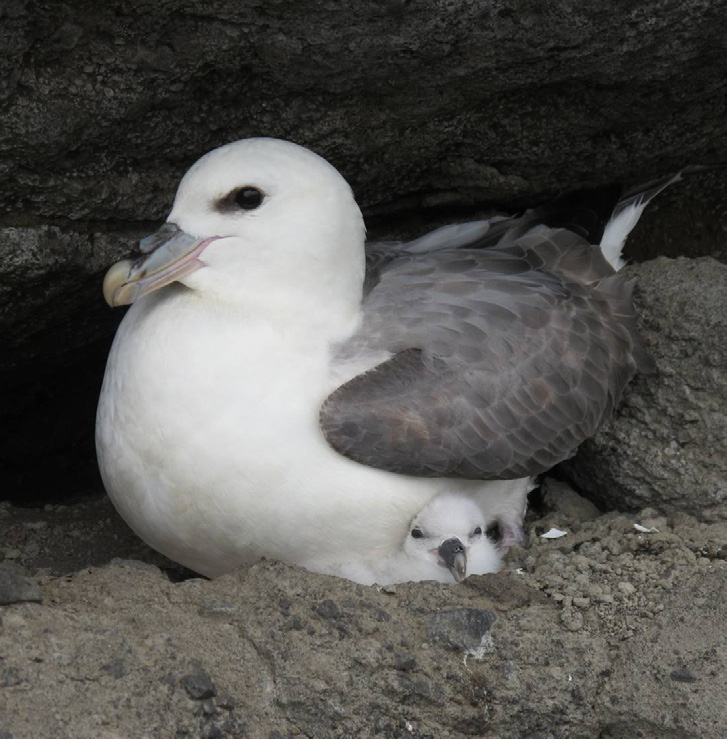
(256, 218)
(450, 531)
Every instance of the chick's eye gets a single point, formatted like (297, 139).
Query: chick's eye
(417, 534)
(248, 198)
(477, 531)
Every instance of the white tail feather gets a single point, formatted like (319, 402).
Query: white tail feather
(616, 231)
(626, 215)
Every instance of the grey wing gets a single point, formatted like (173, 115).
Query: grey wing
(500, 361)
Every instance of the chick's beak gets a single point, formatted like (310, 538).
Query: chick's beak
(167, 255)
(454, 555)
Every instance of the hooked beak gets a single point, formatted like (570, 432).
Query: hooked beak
(167, 256)
(454, 556)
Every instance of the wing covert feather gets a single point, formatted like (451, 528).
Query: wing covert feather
(501, 361)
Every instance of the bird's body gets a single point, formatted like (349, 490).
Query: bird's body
(230, 448)
(270, 394)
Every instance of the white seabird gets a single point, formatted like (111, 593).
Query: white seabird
(447, 541)
(277, 391)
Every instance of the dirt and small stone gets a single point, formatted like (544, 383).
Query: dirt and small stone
(609, 631)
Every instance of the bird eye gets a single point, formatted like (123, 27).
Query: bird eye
(417, 534)
(248, 198)
(477, 531)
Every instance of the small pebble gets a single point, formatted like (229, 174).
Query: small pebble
(626, 588)
(198, 685)
(15, 588)
(36, 525)
(13, 621)
(226, 702)
(683, 675)
(572, 620)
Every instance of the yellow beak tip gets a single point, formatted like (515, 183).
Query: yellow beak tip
(114, 279)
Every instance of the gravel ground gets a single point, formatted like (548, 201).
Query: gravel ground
(605, 632)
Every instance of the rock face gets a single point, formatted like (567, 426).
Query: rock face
(666, 445)
(104, 105)
(432, 108)
(585, 637)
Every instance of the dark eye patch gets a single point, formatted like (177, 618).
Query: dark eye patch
(494, 531)
(244, 198)
(417, 534)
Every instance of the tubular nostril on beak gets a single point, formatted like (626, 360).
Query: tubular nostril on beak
(452, 546)
(167, 232)
(454, 555)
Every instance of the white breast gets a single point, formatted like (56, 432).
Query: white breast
(209, 444)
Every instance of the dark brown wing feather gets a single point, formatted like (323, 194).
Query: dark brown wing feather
(502, 360)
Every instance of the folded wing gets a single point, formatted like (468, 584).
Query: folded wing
(497, 362)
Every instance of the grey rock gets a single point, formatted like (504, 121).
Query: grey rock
(114, 667)
(15, 588)
(432, 110)
(10, 677)
(294, 623)
(560, 497)
(135, 564)
(206, 707)
(327, 609)
(226, 702)
(682, 675)
(94, 96)
(218, 609)
(199, 685)
(405, 662)
(665, 447)
(461, 629)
